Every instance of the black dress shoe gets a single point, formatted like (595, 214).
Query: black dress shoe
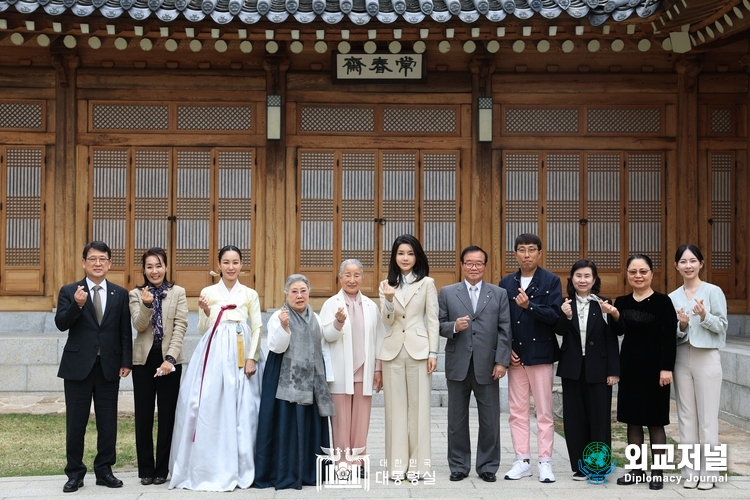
(160, 480)
(488, 477)
(145, 481)
(458, 476)
(110, 481)
(72, 485)
(656, 482)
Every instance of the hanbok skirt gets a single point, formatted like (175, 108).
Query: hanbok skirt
(216, 423)
(290, 437)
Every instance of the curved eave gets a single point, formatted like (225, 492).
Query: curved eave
(359, 12)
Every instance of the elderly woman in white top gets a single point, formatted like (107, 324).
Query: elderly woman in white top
(354, 332)
(701, 332)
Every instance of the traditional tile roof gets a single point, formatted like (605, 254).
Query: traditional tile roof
(360, 12)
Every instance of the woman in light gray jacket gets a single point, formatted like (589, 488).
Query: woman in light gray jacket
(701, 331)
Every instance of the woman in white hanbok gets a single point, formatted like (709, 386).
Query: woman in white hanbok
(217, 413)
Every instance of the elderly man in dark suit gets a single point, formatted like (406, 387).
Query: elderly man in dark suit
(475, 318)
(97, 354)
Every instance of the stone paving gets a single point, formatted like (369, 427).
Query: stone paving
(472, 487)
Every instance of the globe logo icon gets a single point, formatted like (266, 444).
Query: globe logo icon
(596, 462)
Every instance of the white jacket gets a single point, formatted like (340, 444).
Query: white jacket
(340, 343)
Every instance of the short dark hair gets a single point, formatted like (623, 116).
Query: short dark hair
(640, 256)
(160, 254)
(528, 239)
(421, 267)
(472, 248)
(693, 249)
(580, 264)
(97, 245)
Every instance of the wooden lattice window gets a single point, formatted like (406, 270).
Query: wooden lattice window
(600, 205)
(28, 116)
(22, 224)
(188, 201)
(137, 117)
(378, 119)
(722, 188)
(582, 120)
(354, 203)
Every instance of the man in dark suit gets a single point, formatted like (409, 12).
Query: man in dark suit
(475, 318)
(97, 354)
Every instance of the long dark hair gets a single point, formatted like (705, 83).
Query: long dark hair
(160, 254)
(693, 249)
(421, 267)
(580, 264)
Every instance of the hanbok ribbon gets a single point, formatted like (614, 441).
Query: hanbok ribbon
(208, 349)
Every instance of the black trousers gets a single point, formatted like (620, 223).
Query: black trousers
(78, 394)
(147, 389)
(587, 415)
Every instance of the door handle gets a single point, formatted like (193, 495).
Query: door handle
(380, 221)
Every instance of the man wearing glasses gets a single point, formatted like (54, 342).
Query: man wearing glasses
(535, 297)
(97, 354)
(475, 318)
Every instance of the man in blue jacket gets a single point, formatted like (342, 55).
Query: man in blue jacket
(535, 297)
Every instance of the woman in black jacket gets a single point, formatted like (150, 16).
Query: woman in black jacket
(589, 364)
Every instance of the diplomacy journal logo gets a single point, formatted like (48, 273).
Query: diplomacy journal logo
(597, 463)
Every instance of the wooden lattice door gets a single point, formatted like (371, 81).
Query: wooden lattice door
(188, 201)
(353, 204)
(22, 226)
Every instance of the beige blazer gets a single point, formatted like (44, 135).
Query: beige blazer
(174, 320)
(413, 323)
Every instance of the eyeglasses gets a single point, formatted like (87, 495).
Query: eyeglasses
(527, 250)
(637, 272)
(299, 292)
(97, 260)
(474, 265)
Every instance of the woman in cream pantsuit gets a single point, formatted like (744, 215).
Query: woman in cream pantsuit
(701, 331)
(409, 307)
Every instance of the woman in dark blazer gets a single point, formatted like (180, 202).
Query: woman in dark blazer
(159, 312)
(589, 364)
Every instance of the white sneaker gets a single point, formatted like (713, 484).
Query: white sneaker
(545, 473)
(520, 469)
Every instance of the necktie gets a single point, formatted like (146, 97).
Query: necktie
(474, 297)
(98, 304)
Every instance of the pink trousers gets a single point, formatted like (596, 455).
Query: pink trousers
(352, 420)
(523, 382)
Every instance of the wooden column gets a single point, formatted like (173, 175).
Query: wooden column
(69, 233)
(479, 205)
(683, 183)
(278, 201)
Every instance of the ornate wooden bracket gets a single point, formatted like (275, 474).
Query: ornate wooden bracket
(689, 69)
(276, 68)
